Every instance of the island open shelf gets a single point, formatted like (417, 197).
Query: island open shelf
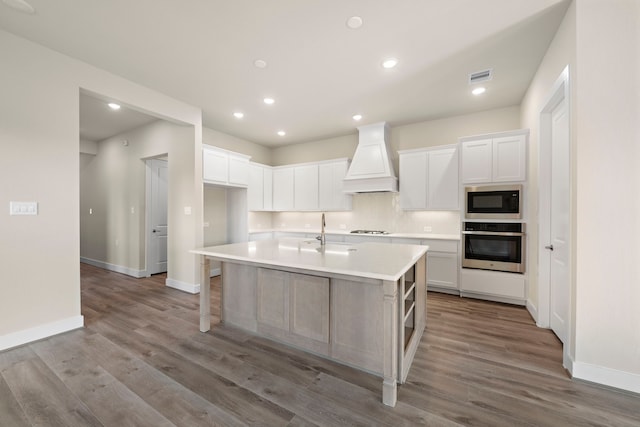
(362, 305)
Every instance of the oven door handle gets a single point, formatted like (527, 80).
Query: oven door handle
(492, 233)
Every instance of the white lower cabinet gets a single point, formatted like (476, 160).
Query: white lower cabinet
(442, 263)
(493, 285)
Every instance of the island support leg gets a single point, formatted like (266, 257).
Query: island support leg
(390, 367)
(205, 294)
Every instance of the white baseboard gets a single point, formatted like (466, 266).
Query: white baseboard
(606, 376)
(113, 267)
(182, 286)
(25, 336)
(533, 311)
(215, 272)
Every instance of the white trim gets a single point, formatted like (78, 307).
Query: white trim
(113, 267)
(559, 92)
(607, 376)
(25, 336)
(183, 286)
(533, 311)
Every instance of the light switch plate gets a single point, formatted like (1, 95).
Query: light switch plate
(23, 208)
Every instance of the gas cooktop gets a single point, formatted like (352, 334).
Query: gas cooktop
(369, 232)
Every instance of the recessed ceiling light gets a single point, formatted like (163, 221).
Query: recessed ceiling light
(269, 101)
(389, 63)
(357, 117)
(238, 115)
(113, 106)
(281, 133)
(20, 5)
(479, 90)
(354, 22)
(260, 63)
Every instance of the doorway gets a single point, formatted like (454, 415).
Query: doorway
(157, 224)
(554, 252)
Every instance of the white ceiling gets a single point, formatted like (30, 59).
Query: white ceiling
(319, 71)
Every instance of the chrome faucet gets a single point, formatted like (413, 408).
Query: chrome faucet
(321, 237)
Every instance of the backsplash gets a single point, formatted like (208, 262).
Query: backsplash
(372, 211)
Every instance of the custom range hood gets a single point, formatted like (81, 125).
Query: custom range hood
(371, 169)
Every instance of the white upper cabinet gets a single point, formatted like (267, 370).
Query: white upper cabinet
(494, 158)
(305, 188)
(477, 161)
(283, 188)
(301, 187)
(429, 179)
(331, 194)
(442, 179)
(510, 158)
(224, 167)
(413, 179)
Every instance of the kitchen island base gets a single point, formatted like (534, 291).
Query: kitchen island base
(367, 323)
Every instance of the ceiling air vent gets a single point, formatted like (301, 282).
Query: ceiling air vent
(480, 76)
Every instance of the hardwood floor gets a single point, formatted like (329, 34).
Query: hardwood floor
(141, 361)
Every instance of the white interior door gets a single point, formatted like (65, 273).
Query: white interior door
(559, 226)
(158, 226)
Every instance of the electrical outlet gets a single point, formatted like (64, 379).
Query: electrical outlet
(23, 208)
(343, 226)
(205, 224)
(307, 226)
(187, 210)
(428, 228)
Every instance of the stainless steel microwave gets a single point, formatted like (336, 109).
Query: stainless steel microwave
(493, 202)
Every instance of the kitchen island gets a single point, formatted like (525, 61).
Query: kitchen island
(363, 305)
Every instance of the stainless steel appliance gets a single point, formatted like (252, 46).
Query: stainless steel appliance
(493, 202)
(496, 246)
(369, 232)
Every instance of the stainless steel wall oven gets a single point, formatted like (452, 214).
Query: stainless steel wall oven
(496, 246)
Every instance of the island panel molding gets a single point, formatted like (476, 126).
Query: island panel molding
(362, 305)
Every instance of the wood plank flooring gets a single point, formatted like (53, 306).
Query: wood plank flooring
(141, 361)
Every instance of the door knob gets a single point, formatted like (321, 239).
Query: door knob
(550, 247)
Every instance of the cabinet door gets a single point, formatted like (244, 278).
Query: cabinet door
(309, 307)
(305, 184)
(238, 171)
(215, 166)
(272, 294)
(509, 158)
(330, 187)
(283, 189)
(476, 161)
(267, 177)
(442, 269)
(442, 179)
(255, 191)
(413, 180)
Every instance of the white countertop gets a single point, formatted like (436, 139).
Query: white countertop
(425, 236)
(370, 260)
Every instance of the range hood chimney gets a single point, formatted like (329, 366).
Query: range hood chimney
(371, 169)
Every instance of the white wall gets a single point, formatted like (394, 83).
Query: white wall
(113, 186)
(561, 52)
(258, 153)
(600, 41)
(39, 128)
(607, 318)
